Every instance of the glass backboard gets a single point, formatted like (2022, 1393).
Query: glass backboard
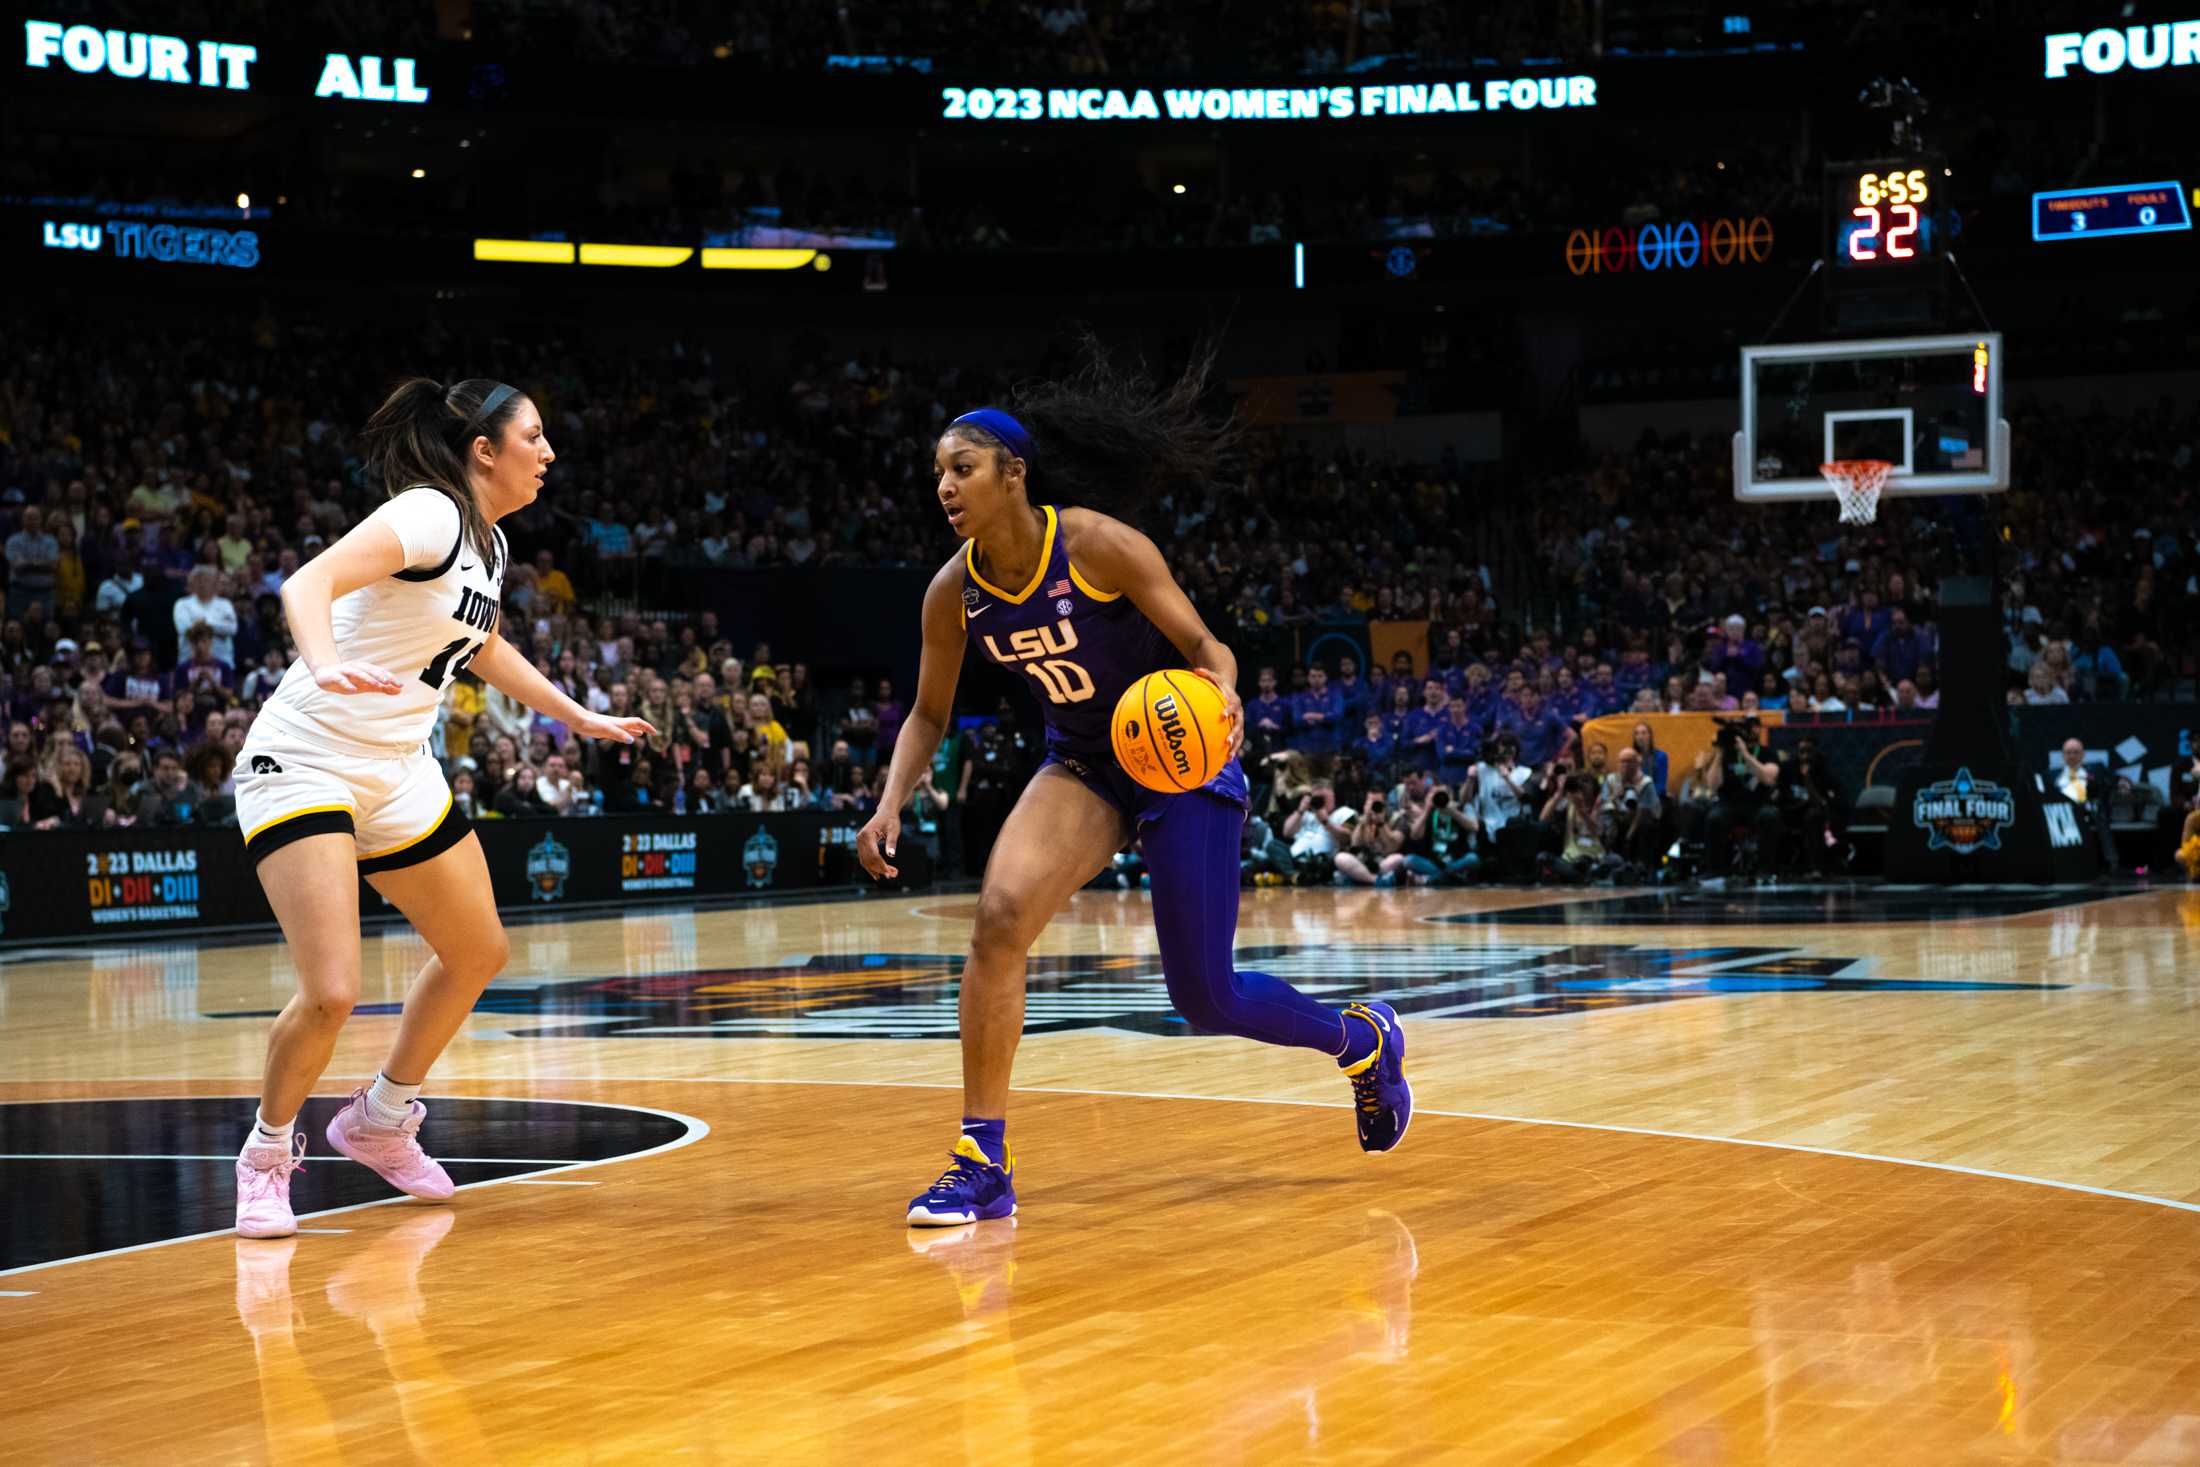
(1929, 405)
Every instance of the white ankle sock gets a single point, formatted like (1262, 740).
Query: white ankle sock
(388, 1103)
(266, 1133)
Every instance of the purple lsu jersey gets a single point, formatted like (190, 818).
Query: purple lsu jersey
(1081, 648)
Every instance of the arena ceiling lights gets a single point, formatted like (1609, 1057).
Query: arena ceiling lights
(647, 257)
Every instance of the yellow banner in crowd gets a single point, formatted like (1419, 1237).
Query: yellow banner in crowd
(1681, 735)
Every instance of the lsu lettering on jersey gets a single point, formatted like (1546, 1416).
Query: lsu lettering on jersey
(1080, 648)
(421, 625)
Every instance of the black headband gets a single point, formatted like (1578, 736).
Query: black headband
(496, 399)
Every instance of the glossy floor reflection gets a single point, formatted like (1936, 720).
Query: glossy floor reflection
(1890, 1193)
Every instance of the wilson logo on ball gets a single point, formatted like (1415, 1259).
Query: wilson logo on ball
(1173, 732)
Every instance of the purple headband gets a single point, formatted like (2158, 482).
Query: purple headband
(1001, 426)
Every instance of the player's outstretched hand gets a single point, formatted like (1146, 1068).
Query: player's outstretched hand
(1233, 708)
(355, 677)
(876, 841)
(617, 730)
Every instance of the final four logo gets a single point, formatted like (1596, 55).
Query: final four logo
(548, 865)
(1963, 814)
(761, 857)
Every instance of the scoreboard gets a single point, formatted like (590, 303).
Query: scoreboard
(2117, 208)
(1884, 214)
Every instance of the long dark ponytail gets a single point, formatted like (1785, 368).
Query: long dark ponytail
(424, 431)
(1107, 437)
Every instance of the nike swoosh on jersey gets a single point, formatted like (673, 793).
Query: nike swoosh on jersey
(462, 565)
(977, 611)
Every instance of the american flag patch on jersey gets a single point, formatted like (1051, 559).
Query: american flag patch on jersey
(1059, 588)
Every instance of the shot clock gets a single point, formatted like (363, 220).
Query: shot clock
(1883, 215)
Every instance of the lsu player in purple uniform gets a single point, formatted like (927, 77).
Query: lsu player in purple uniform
(1083, 604)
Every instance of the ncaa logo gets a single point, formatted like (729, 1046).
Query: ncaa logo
(760, 857)
(548, 865)
(970, 597)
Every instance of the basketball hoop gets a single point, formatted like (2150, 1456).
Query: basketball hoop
(1856, 484)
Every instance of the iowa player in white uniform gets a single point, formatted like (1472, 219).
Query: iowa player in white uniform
(335, 780)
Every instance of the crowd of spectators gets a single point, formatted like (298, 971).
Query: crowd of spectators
(151, 516)
(1451, 806)
(1406, 776)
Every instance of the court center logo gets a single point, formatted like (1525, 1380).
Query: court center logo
(549, 863)
(760, 857)
(914, 995)
(1963, 814)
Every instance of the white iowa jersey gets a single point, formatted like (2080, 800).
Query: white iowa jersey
(421, 625)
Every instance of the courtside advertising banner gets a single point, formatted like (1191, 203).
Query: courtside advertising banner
(59, 885)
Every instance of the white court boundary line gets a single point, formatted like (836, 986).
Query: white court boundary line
(1465, 1115)
(696, 1130)
(1478, 1115)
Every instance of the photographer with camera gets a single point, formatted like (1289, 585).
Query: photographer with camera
(1315, 835)
(1634, 812)
(1572, 810)
(1264, 859)
(1509, 835)
(1371, 858)
(1741, 778)
(1439, 834)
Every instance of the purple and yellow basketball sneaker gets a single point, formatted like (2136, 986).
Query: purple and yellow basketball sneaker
(1381, 1098)
(976, 1188)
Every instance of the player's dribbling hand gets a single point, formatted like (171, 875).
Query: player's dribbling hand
(876, 841)
(355, 677)
(1233, 708)
(617, 730)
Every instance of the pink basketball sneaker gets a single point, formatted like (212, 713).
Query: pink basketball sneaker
(392, 1151)
(263, 1189)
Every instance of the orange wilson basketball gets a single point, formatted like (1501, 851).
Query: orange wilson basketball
(1170, 733)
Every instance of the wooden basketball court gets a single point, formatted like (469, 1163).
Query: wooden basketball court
(1803, 1176)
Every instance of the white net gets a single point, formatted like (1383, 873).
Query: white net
(1856, 484)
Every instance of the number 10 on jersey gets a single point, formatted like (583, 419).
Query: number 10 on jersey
(1038, 651)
